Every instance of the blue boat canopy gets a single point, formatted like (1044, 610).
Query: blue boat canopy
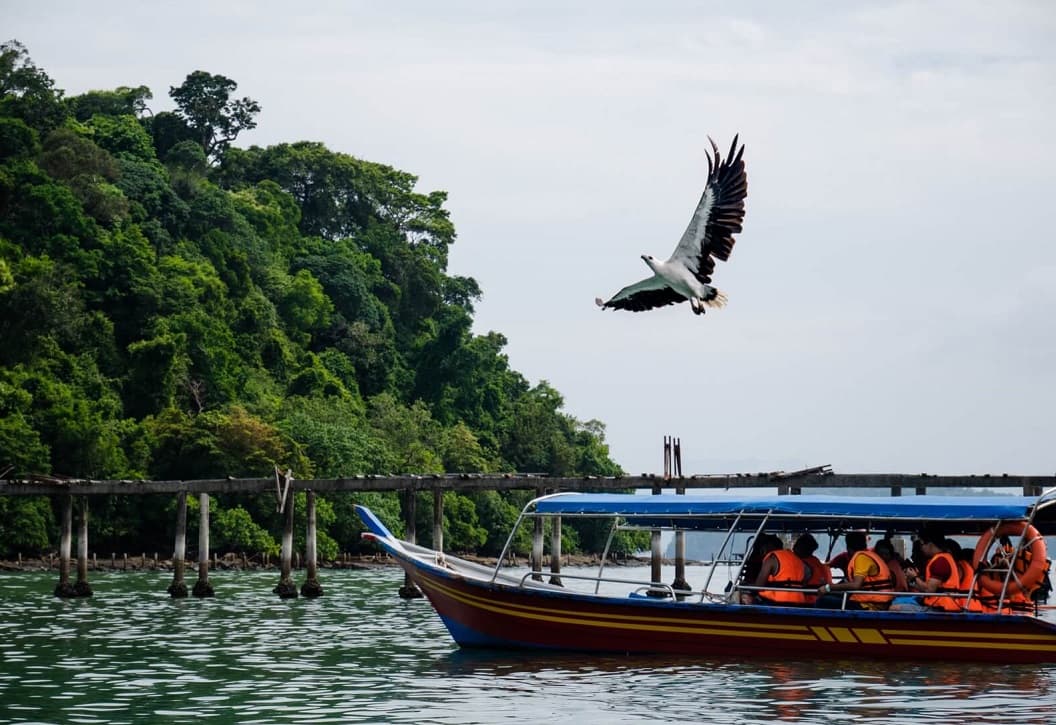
(715, 510)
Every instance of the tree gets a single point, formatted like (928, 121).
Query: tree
(175, 307)
(27, 92)
(204, 102)
(304, 306)
(24, 525)
(234, 529)
(410, 432)
(122, 136)
(122, 101)
(17, 140)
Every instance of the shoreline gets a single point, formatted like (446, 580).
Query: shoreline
(241, 562)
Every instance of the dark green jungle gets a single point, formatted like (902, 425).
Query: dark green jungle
(175, 307)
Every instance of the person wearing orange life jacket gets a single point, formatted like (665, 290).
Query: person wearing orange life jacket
(1015, 599)
(781, 569)
(1003, 554)
(865, 571)
(966, 574)
(818, 573)
(941, 574)
(886, 551)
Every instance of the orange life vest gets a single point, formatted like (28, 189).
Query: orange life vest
(879, 582)
(790, 573)
(952, 583)
(819, 574)
(1029, 567)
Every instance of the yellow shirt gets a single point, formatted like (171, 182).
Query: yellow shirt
(863, 566)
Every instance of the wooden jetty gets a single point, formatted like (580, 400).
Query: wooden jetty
(284, 485)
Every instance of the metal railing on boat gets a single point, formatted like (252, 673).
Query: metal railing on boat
(668, 590)
(660, 590)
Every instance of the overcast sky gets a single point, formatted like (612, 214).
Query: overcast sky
(892, 295)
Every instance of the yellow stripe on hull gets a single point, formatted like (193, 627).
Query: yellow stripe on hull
(611, 621)
(887, 637)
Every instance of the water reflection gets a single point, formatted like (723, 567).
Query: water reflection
(759, 691)
(360, 654)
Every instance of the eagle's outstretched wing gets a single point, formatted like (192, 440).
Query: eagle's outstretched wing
(718, 215)
(644, 295)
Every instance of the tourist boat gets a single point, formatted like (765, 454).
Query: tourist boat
(483, 606)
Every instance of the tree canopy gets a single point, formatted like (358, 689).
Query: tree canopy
(173, 306)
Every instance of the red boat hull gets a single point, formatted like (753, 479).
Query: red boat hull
(486, 614)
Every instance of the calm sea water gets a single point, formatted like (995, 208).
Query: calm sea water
(131, 654)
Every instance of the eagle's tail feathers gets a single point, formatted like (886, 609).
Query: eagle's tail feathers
(716, 300)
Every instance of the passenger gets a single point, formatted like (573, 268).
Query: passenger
(753, 562)
(940, 575)
(918, 557)
(1004, 557)
(886, 550)
(783, 569)
(865, 571)
(817, 572)
(839, 562)
(1003, 554)
(1041, 594)
(968, 583)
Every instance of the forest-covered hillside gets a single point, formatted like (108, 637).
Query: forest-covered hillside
(175, 307)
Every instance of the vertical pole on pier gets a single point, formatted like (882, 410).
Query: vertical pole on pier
(680, 582)
(438, 521)
(555, 551)
(311, 587)
(537, 542)
(64, 588)
(82, 587)
(410, 512)
(286, 589)
(178, 588)
(656, 556)
(202, 587)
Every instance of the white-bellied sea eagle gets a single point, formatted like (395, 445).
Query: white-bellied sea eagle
(709, 236)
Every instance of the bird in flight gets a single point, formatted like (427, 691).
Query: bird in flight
(709, 236)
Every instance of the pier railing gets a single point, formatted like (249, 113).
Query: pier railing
(785, 482)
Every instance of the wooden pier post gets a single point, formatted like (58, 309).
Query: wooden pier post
(438, 520)
(410, 513)
(82, 587)
(656, 560)
(311, 587)
(555, 551)
(202, 587)
(680, 582)
(286, 589)
(178, 588)
(64, 588)
(656, 554)
(537, 542)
